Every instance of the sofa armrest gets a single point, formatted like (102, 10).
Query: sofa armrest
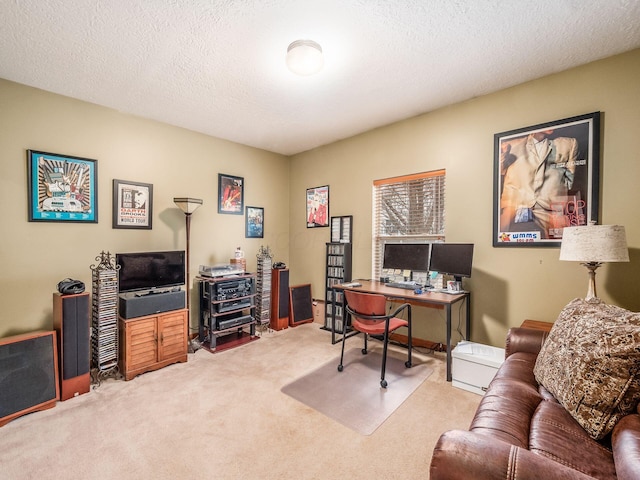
(625, 443)
(461, 455)
(527, 340)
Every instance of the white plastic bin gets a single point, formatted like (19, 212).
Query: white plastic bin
(475, 365)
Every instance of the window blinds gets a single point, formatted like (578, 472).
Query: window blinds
(408, 208)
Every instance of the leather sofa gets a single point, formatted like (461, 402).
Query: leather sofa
(520, 431)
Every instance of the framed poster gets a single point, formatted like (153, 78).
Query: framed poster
(132, 204)
(230, 194)
(62, 188)
(254, 222)
(341, 229)
(546, 177)
(318, 207)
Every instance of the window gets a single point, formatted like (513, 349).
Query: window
(407, 209)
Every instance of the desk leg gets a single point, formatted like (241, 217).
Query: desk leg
(468, 330)
(448, 314)
(333, 316)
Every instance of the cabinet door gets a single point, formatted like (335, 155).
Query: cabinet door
(172, 334)
(141, 343)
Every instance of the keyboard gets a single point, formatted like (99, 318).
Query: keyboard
(405, 285)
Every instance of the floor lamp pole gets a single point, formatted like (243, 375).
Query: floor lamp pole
(188, 205)
(188, 228)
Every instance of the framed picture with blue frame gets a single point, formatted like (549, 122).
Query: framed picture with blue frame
(62, 188)
(254, 222)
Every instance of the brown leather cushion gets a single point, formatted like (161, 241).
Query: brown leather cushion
(590, 364)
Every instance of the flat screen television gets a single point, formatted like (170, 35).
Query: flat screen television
(406, 256)
(453, 259)
(150, 270)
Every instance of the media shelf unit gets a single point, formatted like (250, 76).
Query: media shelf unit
(227, 306)
(153, 341)
(338, 270)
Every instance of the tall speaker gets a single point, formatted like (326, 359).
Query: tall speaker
(28, 374)
(72, 324)
(279, 298)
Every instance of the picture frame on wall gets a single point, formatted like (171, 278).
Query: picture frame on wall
(318, 207)
(132, 205)
(254, 222)
(545, 177)
(230, 194)
(62, 188)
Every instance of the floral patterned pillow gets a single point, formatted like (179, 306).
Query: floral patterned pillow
(591, 364)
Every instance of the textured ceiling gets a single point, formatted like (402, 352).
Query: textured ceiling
(217, 66)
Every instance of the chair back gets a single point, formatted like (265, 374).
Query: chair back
(366, 303)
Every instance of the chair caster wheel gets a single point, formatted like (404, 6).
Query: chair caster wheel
(383, 383)
(407, 364)
(340, 368)
(364, 351)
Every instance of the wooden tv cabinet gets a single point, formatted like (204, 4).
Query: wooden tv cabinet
(152, 342)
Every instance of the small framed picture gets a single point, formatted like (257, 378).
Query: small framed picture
(62, 188)
(318, 207)
(254, 222)
(230, 194)
(132, 204)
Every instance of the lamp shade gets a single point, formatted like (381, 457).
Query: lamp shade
(188, 205)
(304, 57)
(594, 244)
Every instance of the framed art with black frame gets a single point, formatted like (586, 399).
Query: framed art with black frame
(62, 188)
(318, 207)
(230, 194)
(132, 205)
(254, 222)
(545, 177)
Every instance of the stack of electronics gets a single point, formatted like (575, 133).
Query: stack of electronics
(220, 270)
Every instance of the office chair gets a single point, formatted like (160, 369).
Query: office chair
(368, 316)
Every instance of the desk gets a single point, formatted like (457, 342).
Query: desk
(446, 300)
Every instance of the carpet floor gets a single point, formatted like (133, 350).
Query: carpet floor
(224, 416)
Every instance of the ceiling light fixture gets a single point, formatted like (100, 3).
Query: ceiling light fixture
(304, 57)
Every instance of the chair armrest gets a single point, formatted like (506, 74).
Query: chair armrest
(527, 340)
(462, 455)
(625, 443)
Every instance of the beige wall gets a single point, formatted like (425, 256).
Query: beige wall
(35, 256)
(508, 284)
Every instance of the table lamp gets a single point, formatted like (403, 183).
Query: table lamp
(592, 245)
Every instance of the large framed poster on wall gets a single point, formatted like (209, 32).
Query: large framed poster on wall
(546, 177)
(62, 188)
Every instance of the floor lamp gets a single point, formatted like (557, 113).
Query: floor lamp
(188, 206)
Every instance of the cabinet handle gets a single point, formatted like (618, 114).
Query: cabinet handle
(162, 338)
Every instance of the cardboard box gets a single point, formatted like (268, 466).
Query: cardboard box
(475, 365)
(318, 311)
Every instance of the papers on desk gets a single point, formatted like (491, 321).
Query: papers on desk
(352, 284)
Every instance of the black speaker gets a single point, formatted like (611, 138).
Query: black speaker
(132, 305)
(71, 323)
(279, 298)
(28, 374)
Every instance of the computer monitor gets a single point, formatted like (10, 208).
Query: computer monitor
(406, 256)
(453, 259)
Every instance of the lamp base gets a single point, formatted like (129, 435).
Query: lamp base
(591, 291)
